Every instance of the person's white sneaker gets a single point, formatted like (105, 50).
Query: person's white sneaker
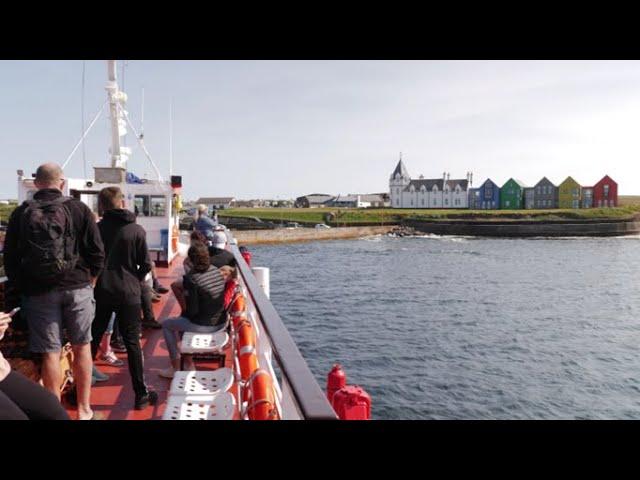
(167, 372)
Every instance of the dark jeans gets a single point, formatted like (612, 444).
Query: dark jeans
(128, 321)
(22, 399)
(147, 306)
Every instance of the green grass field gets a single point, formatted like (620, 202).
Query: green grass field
(630, 206)
(5, 212)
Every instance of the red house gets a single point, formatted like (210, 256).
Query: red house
(605, 193)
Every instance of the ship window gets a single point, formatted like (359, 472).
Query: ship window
(150, 205)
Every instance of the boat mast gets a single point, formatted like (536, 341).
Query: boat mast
(170, 137)
(118, 125)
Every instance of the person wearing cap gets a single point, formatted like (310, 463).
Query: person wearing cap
(220, 256)
(204, 224)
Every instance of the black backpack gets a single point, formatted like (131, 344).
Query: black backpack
(48, 240)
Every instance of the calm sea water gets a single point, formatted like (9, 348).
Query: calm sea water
(460, 328)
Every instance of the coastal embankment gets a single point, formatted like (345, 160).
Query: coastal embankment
(531, 228)
(291, 235)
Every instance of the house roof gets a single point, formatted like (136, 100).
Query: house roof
(439, 182)
(545, 180)
(214, 200)
(606, 177)
(373, 197)
(401, 169)
(316, 197)
(518, 182)
(345, 198)
(489, 180)
(570, 179)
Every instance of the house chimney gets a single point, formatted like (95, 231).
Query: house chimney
(470, 178)
(421, 177)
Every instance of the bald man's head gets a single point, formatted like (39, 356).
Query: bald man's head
(49, 175)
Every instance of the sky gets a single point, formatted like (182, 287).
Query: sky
(281, 129)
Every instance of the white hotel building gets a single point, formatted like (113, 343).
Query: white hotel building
(427, 193)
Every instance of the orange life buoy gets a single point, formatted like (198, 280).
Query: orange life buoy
(245, 334)
(246, 349)
(248, 361)
(238, 304)
(261, 399)
(237, 320)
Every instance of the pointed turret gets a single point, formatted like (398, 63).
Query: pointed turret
(398, 181)
(400, 169)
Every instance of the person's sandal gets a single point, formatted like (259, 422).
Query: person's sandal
(112, 360)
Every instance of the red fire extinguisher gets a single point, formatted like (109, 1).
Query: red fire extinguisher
(246, 254)
(335, 381)
(352, 403)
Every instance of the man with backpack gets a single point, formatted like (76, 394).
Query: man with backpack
(53, 253)
(119, 286)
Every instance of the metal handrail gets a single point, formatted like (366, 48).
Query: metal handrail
(310, 400)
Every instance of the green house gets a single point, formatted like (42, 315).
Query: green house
(569, 194)
(512, 195)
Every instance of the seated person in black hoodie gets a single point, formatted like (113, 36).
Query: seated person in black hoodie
(220, 256)
(204, 298)
(118, 287)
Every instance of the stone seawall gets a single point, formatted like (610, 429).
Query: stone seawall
(284, 235)
(568, 228)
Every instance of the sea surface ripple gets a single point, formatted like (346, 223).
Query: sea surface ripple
(464, 328)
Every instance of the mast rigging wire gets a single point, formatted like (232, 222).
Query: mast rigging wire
(140, 141)
(85, 134)
(84, 155)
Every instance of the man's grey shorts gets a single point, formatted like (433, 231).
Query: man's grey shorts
(49, 313)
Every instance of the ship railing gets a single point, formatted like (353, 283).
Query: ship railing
(299, 395)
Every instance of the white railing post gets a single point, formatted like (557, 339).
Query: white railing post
(262, 275)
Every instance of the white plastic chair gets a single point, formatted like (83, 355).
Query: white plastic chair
(200, 407)
(203, 345)
(201, 382)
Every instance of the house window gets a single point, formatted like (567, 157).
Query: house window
(506, 203)
(606, 191)
(446, 201)
(412, 202)
(488, 191)
(423, 202)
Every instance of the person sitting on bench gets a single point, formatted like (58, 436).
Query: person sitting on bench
(22, 399)
(204, 310)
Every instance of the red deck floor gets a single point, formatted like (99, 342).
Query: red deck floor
(115, 397)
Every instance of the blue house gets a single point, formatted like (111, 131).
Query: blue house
(488, 197)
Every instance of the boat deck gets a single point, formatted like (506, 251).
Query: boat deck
(114, 398)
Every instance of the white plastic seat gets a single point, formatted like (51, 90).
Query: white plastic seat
(195, 343)
(201, 382)
(200, 407)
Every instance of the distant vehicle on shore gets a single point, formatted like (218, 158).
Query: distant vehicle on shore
(293, 225)
(320, 226)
